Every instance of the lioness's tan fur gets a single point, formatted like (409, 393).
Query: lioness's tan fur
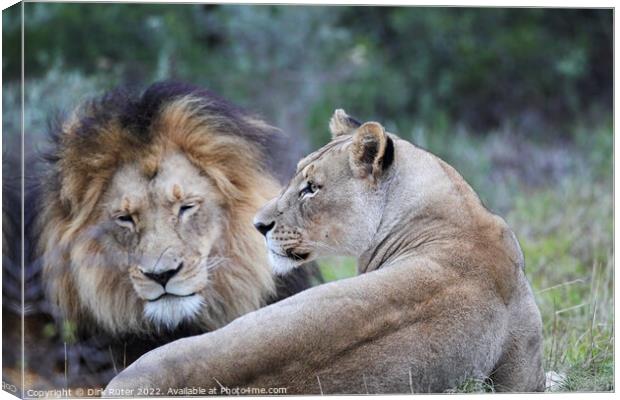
(441, 297)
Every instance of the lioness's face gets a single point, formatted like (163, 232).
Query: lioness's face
(161, 229)
(331, 206)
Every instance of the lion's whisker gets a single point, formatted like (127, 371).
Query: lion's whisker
(214, 263)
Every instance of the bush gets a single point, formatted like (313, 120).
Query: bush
(539, 68)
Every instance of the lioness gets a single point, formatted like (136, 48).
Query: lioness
(441, 294)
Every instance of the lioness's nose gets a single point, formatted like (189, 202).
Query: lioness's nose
(263, 228)
(163, 277)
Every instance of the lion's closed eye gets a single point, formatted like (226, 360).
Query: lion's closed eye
(125, 220)
(188, 208)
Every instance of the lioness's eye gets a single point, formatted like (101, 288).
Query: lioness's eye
(310, 188)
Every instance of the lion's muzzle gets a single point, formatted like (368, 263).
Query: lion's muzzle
(163, 277)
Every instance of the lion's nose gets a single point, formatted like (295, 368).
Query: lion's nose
(263, 228)
(163, 277)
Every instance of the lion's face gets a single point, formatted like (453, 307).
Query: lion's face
(145, 224)
(332, 206)
(160, 232)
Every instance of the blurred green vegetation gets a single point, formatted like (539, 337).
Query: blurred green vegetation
(517, 100)
(539, 69)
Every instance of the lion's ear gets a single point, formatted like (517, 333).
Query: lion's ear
(342, 124)
(372, 151)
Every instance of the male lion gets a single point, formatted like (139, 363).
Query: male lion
(441, 294)
(146, 216)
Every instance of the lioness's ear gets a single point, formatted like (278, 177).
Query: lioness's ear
(372, 151)
(342, 124)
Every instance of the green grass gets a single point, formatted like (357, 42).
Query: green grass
(566, 235)
(473, 386)
(335, 268)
